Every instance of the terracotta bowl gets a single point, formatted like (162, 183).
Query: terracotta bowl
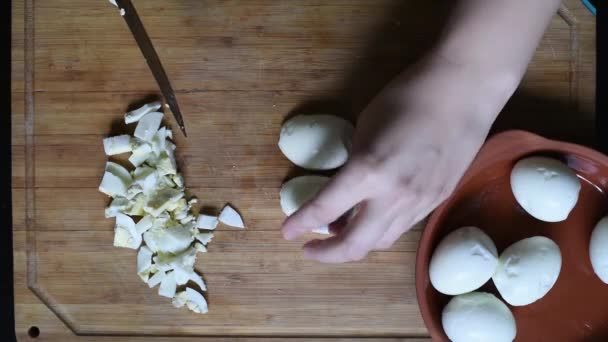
(576, 308)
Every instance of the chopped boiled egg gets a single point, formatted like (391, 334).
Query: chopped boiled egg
(168, 286)
(168, 240)
(180, 299)
(155, 191)
(156, 279)
(125, 234)
(117, 145)
(161, 199)
(200, 247)
(231, 217)
(116, 180)
(144, 260)
(148, 125)
(195, 301)
(135, 115)
(141, 153)
(204, 238)
(118, 205)
(208, 222)
(144, 224)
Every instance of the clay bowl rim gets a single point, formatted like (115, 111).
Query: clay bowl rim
(516, 144)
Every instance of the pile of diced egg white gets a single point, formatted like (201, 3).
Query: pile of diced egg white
(525, 272)
(150, 206)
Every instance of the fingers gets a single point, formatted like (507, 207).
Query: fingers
(357, 239)
(394, 232)
(403, 223)
(343, 192)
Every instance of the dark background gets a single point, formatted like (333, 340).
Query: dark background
(7, 319)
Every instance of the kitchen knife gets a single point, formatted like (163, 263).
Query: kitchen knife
(128, 12)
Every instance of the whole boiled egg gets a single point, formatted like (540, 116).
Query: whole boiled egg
(546, 188)
(527, 270)
(316, 142)
(598, 249)
(478, 317)
(463, 261)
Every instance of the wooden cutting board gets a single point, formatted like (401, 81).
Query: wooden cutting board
(238, 67)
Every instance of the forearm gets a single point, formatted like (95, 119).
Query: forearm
(496, 35)
(480, 60)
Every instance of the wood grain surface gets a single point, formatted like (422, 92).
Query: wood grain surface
(239, 68)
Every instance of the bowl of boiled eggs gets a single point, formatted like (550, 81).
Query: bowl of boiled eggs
(519, 252)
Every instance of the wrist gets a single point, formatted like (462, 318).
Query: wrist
(477, 90)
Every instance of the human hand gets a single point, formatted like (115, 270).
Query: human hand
(411, 147)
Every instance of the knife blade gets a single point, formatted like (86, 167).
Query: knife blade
(147, 49)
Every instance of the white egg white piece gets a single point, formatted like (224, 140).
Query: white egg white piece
(195, 301)
(135, 115)
(125, 234)
(120, 172)
(144, 224)
(140, 154)
(148, 126)
(168, 286)
(134, 190)
(116, 180)
(117, 145)
(463, 261)
(200, 247)
(204, 238)
(598, 249)
(144, 259)
(527, 270)
(161, 199)
(166, 164)
(159, 141)
(316, 142)
(230, 217)
(180, 299)
(546, 188)
(168, 240)
(112, 185)
(478, 317)
(208, 222)
(178, 179)
(156, 279)
(118, 205)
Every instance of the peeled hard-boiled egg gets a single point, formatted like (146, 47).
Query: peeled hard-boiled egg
(478, 317)
(546, 188)
(297, 191)
(527, 270)
(598, 249)
(463, 261)
(316, 142)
